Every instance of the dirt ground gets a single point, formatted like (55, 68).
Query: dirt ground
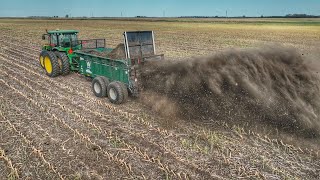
(55, 128)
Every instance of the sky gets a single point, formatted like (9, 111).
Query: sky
(156, 8)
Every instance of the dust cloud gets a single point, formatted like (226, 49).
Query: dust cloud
(271, 85)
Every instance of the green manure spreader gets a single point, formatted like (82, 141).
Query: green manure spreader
(114, 71)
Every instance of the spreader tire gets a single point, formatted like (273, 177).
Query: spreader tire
(63, 62)
(51, 64)
(99, 87)
(116, 93)
(125, 92)
(106, 80)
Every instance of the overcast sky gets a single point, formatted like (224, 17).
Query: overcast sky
(159, 8)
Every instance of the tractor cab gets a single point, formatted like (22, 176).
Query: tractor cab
(62, 38)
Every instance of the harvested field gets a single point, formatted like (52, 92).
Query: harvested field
(55, 128)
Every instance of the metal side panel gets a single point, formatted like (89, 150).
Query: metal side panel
(139, 44)
(114, 70)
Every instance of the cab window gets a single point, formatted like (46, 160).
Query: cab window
(67, 40)
(53, 40)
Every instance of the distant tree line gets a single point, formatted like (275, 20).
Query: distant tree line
(66, 16)
(244, 16)
(301, 16)
(262, 16)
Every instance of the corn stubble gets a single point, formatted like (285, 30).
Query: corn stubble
(67, 133)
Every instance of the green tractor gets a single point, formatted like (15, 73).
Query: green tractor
(114, 72)
(56, 54)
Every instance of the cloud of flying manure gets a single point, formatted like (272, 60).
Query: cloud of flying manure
(274, 86)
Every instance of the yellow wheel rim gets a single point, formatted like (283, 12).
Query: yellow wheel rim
(41, 61)
(47, 64)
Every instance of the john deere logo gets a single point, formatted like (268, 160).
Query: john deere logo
(88, 65)
(88, 70)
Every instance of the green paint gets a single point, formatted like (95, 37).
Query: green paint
(63, 32)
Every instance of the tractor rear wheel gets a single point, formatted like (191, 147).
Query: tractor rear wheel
(41, 58)
(116, 92)
(99, 87)
(51, 64)
(63, 63)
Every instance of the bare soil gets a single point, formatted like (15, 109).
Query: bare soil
(55, 128)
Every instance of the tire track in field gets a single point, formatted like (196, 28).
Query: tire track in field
(179, 158)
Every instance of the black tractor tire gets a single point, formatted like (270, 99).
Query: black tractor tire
(99, 87)
(41, 58)
(116, 92)
(51, 64)
(63, 62)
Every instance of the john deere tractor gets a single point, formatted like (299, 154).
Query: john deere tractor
(56, 54)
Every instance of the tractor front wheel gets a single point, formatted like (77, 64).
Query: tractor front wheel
(99, 87)
(63, 61)
(51, 64)
(116, 92)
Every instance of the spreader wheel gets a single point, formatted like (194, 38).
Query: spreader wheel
(106, 80)
(125, 92)
(116, 92)
(99, 87)
(63, 61)
(51, 64)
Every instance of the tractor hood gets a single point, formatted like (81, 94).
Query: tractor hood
(63, 32)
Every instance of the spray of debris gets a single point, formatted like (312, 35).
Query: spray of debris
(274, 86)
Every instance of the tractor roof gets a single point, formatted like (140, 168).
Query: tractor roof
(63, 32)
